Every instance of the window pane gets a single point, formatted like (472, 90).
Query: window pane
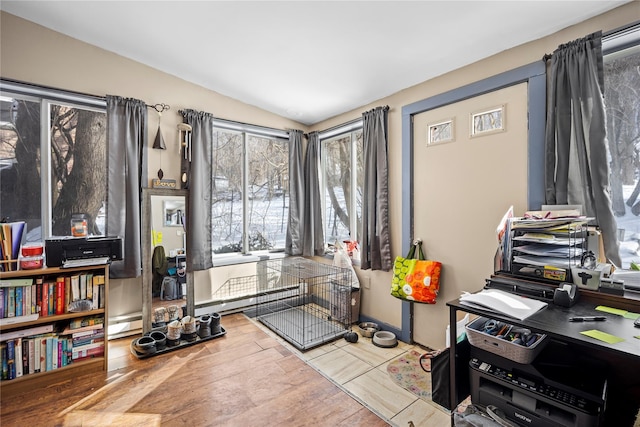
(336, 155)
(359, 181)
(20, 187)
(622, 99)
(268, 194)
(78, 172)
(226, 208)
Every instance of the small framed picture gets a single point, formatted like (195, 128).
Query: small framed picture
(488, 121)
(440, 132)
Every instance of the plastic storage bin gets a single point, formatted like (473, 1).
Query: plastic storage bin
(502, 347)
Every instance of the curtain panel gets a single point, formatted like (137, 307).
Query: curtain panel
(126, 174)
(200, 179)
(293, 244)
(312, 232)
(375, 250)
(576, 165)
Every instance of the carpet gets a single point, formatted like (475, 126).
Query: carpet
(407, 373)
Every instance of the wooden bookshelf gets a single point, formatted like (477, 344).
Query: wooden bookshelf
(27, 381)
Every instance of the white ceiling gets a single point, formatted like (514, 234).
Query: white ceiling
(307, 60)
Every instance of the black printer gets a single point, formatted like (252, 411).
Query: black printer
(69, 251)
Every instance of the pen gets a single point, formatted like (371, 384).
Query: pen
(588, 319)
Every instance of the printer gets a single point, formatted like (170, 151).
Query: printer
(561, 388)
(82, 251)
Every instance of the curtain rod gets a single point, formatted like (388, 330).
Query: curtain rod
(63, 94)
(606, 35)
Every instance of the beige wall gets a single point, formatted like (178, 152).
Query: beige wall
(34, 54)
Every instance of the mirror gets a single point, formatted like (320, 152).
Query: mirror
(173, 208)
(165, 280)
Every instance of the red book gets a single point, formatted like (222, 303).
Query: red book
(59, 305)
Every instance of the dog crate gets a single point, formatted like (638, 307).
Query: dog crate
(315, 303)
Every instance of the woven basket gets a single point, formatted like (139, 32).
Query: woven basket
(507, 349)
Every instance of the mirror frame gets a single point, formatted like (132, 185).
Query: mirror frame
(147, 255)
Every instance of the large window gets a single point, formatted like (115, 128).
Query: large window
(342, 175)
(622, 100)
(52, 160)
(250, 205)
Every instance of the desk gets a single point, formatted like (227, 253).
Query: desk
(554, 321)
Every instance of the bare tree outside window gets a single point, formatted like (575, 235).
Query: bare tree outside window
(265, 192)
(343, 179)
(622, 102)
(77, 172)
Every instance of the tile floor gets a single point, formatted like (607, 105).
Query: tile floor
(360, 369)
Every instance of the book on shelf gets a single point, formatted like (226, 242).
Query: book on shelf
(89, 286)
(87, 351)
(3, 359)
(11, 306)
(12, 283)
(60, 308)
(18, 302)
(86, 321)
(14, 320)
(25, 357)
(21, 333)
(75, 287)
(52, 298)
(11, 360)
(18, 352)
(83, 329)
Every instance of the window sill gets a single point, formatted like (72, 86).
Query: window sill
(235, 259)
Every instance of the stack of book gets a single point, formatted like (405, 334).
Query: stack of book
(42, 348)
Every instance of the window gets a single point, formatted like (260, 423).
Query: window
(250, 206)
(622, 102)
(52, 160)
(342, 179)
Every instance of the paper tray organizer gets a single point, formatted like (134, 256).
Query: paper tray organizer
(507, 349)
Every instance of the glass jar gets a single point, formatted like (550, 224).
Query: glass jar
(79, 225)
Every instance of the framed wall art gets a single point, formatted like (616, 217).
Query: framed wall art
(488, 121)
(440, 132)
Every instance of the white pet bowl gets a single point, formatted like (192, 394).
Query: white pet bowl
(385, 339)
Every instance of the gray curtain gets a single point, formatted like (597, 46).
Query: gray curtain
(126, 175)
(293, 244)
(576, 165)
(200, 180)
(312, 232)
(375, 245)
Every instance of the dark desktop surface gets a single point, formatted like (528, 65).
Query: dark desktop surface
(554, 321)
(618, 362)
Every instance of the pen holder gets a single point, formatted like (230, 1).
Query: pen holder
(565, 295)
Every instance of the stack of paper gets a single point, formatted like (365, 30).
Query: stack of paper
(511, 305)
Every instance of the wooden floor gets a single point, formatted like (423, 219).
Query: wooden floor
(245, 378)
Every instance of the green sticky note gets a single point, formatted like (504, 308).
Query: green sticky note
(631, 315)
(611, 310)
(602, 336)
